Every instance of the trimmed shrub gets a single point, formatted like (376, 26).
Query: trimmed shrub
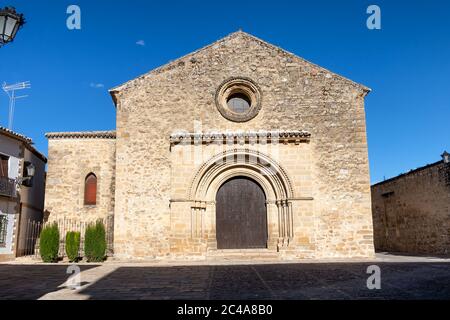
(49, 243)
(95, 242)
(72, 245)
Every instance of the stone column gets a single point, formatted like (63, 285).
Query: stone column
(272, 225)
(285, 223)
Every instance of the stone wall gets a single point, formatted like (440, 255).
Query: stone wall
(71, 157)
(296, 95)
(411, 213)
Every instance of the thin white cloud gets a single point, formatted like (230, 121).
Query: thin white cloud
(96, 85)
(140, 43)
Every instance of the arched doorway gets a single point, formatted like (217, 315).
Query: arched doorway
(241, 215)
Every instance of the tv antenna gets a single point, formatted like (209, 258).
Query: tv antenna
(11, 92)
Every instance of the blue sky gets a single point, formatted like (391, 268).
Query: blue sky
(406, 63)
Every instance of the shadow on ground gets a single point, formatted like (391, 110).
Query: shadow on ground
(263, 281)
(30, 282)
(277, 281)
(412, 255)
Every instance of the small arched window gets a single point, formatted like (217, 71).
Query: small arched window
(90, 190)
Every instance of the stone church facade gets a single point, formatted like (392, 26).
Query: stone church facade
(238, 148)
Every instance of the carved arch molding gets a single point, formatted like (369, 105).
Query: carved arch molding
(252, 164)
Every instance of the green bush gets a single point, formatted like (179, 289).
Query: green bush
(95, 242)
(72, 245)
(49, 243)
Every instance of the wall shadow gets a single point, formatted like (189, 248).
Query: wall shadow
(299, 281)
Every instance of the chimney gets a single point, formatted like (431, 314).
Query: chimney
(446, 157)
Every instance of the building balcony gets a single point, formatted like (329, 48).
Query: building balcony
(7, 187)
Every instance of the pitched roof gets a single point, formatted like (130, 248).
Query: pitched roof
(82, 135)
(227, 38)
(15, 135)
(22, 138)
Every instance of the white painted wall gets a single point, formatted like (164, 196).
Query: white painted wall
(5, 208)
(11, 148)
(31, 198)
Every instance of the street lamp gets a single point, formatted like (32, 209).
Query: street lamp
(28, 174)
(10, 23)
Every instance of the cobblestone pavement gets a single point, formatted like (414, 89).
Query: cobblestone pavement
(399, 280)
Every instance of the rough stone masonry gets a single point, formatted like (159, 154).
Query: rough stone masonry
(411, 211)
(239, 108)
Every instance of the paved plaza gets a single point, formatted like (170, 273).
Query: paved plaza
(401, 278)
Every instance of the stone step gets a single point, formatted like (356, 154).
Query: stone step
(256, 250)
(242, 254)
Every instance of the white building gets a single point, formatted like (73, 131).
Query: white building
(22, 185)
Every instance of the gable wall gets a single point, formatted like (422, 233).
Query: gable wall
(296, 95)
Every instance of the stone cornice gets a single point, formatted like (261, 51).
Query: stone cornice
(282, 136)
(82, 135)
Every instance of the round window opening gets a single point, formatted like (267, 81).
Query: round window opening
(239, 102)
(238, 99)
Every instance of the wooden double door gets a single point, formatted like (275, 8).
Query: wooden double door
(241, 215)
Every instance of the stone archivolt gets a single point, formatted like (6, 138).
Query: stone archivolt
(233, 162)
(253, 164)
